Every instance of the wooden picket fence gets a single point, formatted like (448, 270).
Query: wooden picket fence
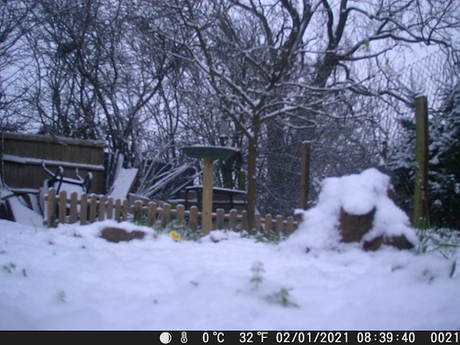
(89, 208)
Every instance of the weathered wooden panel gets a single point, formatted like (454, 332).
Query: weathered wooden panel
(23, 154)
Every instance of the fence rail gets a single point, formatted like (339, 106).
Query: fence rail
(89, 208)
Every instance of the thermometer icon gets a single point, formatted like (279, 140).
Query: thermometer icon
(183, 337)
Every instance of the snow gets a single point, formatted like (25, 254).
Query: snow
(71, 278)
(123, 183)
(23, 214)
(357, 194)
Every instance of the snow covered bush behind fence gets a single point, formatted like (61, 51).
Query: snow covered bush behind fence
(89, 208)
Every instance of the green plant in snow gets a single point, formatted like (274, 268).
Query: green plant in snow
(10, 267)
(257, 270)
(281, 297)
(444, 241)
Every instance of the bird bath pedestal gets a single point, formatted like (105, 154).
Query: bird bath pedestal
(209, 153)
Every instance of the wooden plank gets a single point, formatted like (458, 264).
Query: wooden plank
(244, 221)
(258, 221)
(180, 212)
(268, 224)
(62, 206)
(93, 208)
(232, 219)
(165, 214)
(279, 223)
(73, 208)
(118, 210)
(125, 209)
(151, 213)
(290, 225)
(138, 205)
(207, 196)
(101, 212)
(51, 217)
(220, 212)
(84, 209)
(193, 218)
(110, 208)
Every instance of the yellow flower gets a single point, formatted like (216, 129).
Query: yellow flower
(175, 236)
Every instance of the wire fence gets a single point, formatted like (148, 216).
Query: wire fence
(337, 148)
(434, 76)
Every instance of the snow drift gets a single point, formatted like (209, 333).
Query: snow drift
(356, 194)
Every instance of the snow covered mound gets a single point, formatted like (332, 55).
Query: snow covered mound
(357, 194)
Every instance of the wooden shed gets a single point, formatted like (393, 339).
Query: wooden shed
(23, 154)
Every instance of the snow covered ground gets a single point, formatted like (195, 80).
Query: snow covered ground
(71, 278)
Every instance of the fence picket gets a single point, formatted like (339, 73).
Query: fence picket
(62, 207)
(193, 219)
(151, 213)
(110, 208)
(84, 209)
(220, 213)
(290, 225)
(279, 223)
(51, 207)
(232, 219)
(180, 212)
(165, 214)
(101, 215)
(268, 223)
(124, 210)
(73, 208)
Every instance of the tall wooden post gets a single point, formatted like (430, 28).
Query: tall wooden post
(207, 196)
(304, 175)
(420, 216)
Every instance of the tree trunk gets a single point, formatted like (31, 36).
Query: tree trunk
(252, 182)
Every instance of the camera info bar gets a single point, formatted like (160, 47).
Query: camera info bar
(307, 337)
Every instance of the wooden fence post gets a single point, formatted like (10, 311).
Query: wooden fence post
(420, 215)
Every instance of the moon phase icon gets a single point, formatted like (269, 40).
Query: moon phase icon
(165, 338)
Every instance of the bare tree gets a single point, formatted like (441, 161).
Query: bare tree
(15, 22)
